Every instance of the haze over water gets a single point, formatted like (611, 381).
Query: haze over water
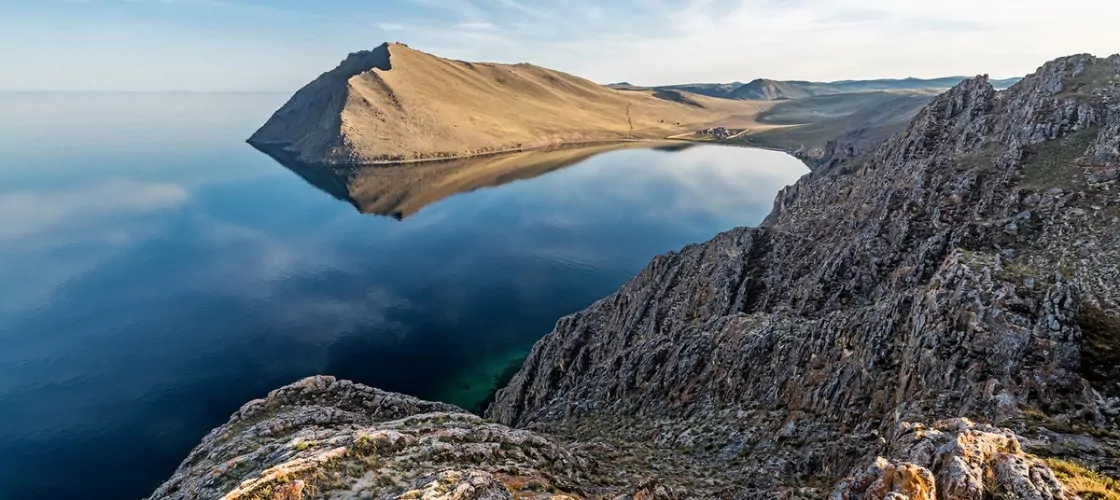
(157, 273)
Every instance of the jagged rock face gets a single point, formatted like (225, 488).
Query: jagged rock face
(946, 273)
(327, 438)
(309, 122)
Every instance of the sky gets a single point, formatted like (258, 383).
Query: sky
(279, 45)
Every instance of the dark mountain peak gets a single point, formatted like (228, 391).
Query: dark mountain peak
(364, 60)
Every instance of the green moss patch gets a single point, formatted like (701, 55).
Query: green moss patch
(1054, 163)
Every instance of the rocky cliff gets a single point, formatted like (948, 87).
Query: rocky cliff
(936, 317)
(965, 267)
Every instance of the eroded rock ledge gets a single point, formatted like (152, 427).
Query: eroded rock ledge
(327, 438)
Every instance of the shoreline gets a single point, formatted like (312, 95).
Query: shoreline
(281, 148)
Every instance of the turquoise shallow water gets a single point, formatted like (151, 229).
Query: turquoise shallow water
(156, 273)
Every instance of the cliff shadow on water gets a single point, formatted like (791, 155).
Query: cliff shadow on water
(500, 381)
(330, 180)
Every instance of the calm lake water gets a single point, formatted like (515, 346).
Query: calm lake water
(156, 272)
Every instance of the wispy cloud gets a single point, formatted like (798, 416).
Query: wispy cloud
(36, 225)
(476, 26)
(465, 9)
(646, 42)
(391, 27)
(30, 212)
(853, 16)
(723, 40)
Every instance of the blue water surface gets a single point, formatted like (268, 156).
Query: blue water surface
(156, 273)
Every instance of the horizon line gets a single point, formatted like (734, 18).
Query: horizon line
(126, 91)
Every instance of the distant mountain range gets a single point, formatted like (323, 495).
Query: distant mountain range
(766, 90)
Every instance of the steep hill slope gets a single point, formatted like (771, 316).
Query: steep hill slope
(766, 90)
(398, 104)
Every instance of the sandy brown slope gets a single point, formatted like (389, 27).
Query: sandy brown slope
(398, 104)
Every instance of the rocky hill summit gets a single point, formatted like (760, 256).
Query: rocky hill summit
(937, 317)
(766, 89)
(397, 104)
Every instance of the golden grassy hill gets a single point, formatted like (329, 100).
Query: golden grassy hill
(396, 104)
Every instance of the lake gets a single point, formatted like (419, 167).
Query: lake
(157, 272)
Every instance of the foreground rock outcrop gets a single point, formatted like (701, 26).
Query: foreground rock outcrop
(971, 461)
(934, 318)
(327, 438)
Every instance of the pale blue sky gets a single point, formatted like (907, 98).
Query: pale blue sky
(248, 45)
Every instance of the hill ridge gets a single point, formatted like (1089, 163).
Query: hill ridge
(395, 104)
(771, 89)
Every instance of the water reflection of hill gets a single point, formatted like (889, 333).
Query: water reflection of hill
(401, 190)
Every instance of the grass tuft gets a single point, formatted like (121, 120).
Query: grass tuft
(1088, 484)
(1053, 163)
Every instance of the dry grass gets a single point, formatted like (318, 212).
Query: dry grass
(424, 107)
(1094, 77)
(428, 107)
(1052, 163)
(1088, 484)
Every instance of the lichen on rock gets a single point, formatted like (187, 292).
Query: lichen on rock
(327, 438)
(972, 462)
